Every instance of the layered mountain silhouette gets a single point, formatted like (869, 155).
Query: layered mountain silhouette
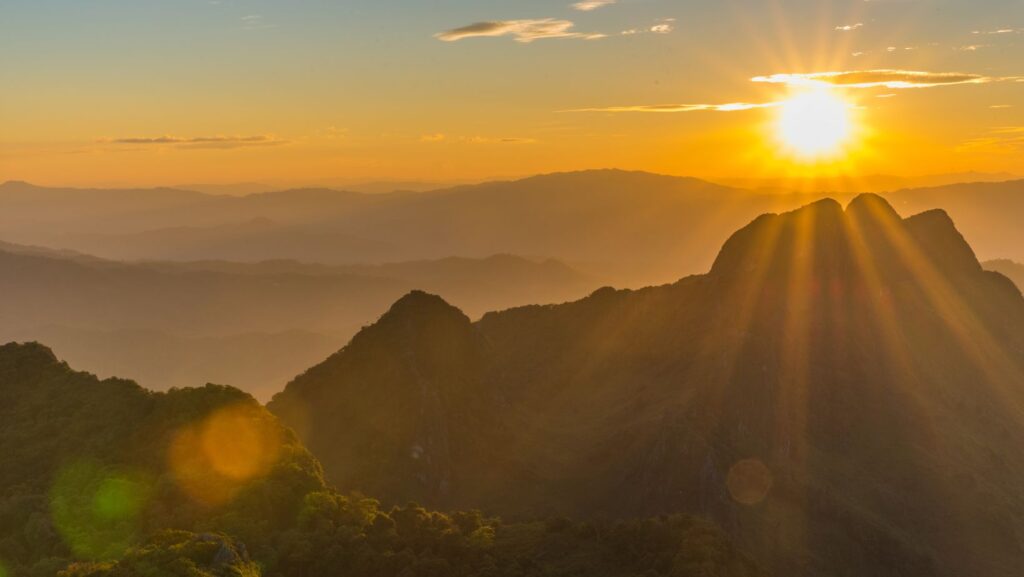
(633, 228)
(254, 325)
(842, 392)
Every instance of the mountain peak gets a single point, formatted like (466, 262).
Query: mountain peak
(419, 303)
(872, 206)
(28, 353)
(832, 240)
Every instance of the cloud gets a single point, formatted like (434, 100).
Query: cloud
(255, 22)
(849, 27)
(588, 5)
(524, 31)
(892, 79)
(440, 137)
(730, 107)
(999, 31)
(200, 141)
(1006, 139)
(664, 27)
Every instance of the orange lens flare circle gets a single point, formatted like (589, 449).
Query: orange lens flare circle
(216, 457)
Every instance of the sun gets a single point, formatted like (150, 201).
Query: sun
(815, 124)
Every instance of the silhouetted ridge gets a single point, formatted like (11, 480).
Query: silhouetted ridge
(17, 358)
(837, 242)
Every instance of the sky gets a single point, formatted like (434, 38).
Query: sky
(298, 92)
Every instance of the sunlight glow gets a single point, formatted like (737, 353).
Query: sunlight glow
(815, 124)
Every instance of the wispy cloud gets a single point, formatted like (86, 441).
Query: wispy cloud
(1004, 139)
(256, 22)
(199, 141)
(441, 137)
(663, 26)
(999, 31)
(849, 27)
(588, 5)
(524, 31)
(892, 79)
(730, 107)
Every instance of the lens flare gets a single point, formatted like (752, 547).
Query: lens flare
(214, 458)
(97, 509)
(749, 481)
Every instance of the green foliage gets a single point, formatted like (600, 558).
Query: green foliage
(98, 496)
(340, 535)
(175, 554)
(97, 510)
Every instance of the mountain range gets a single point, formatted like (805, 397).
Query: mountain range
(254, 325)
(841, 392)
(632, 228)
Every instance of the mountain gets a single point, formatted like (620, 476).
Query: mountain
(1008, 268)
(985, 212)
(252, 325)
(841, 392)
(103, 478)
(633, 228)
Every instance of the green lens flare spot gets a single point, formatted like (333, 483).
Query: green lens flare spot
(118, 499)
(97, 509)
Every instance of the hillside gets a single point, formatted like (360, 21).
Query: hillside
(107, 479)
(841, 392)
(1008, 268)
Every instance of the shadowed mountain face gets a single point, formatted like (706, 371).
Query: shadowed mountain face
(1008, 268)
(842, 392)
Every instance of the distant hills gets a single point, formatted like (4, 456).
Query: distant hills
(841, 392)
(252, 325)
(633, 228)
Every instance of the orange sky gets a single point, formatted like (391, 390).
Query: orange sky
(149, 93)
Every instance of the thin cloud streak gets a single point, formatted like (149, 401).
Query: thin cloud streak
(663, 108)
(892, 79)
(523, 31)
(199, 141)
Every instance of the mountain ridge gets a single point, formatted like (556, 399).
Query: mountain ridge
(818, 356)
